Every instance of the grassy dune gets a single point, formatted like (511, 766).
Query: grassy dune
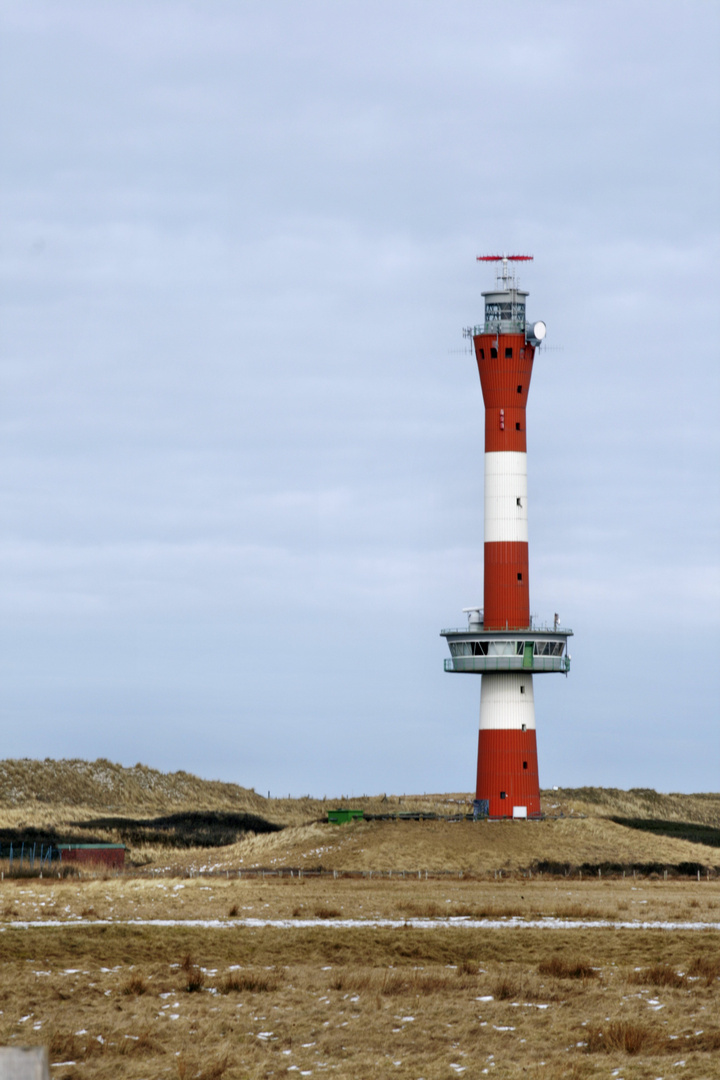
(181, 822)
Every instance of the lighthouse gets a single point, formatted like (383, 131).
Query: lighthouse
(502, 642)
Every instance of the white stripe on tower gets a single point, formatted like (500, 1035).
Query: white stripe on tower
(507, 701)
(506, 514)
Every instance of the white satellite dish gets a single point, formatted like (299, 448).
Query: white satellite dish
(539, 330)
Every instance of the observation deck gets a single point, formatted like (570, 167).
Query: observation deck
(537, 649)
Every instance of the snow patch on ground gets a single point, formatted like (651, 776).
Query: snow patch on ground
(463, 922)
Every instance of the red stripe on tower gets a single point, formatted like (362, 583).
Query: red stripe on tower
(498, 776)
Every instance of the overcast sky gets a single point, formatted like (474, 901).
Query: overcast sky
(242, 443)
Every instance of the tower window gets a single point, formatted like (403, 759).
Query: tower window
(519, 389)
(493, 353)
(503, 794)
(522, 689)
(508, 353)
(518, 501)
(519, 577)
(517, 426)
(524, 727)
(524, 764)
(482, 354)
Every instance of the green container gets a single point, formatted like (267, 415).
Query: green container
(341, 817)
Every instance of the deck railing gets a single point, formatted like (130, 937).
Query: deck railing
(507, 663)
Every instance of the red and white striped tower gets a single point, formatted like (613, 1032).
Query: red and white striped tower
(501, 643)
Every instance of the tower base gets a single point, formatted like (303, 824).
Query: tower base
(507, 774)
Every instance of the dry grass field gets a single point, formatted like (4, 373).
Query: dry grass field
(158, 973)
(117, 999)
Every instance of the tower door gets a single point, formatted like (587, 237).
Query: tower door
(528, 654)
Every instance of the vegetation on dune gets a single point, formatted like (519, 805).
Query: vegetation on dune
(104, 785)
(168, 820)
(640, 804)
(683, 830)
(140, 790)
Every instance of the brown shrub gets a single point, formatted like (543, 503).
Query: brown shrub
(507, 987)
(250, 982)
(144, 1044)
(195, 980)
(135, 985)
(327, 913)
(625, 1035)
(351, 981)
(64, 1045)
(559, 968)
(413, 910)
(579, 911)
(234, 911)
(658, 975)
(706, 967)
(494, 911)
(194, 975)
